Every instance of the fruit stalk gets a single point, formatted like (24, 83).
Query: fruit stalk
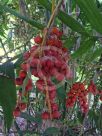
(47, 99)
(54, 13)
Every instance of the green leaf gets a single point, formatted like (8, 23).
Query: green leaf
(95, 54)
(71, 132)
(7, 69)
(61, 93)
(19, 61)
(65, 18)
(70, 42)
(84, 48)
(7, 91)
(2, 32)
(91, 13)
(80, 117)
(51, 131)
(71, 22)
(26, 19)
(93, 115)
(7, 98)
(36, 119)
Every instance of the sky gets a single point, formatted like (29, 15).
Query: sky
(100, 1)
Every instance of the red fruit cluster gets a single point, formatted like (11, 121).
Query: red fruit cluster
(55, 115)
(47, 62)
(21, 106)
(53, 63)
(93, 89)
(40, 84)
(78, 93)
(19, 81)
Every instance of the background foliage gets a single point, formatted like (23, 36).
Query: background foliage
(81, 22)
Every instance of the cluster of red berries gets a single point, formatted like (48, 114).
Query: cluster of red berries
(78, 93)
(93, 89)
(40, 84)
(21, 105)
(20, 79)
(52, 63)
(47, 62)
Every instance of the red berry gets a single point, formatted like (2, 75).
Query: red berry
(58, 64)
(56, 115)
(29, 85)
(60, 76)
(16, 112)
(19, 81)
(34, 62)
(56, 31)
(40, 85)
(45, 115)
(64, 49)
(22, 106)
(54, 107)
(75, 86)
(22, 74)
(25, 66)
(33, 49)
(53, 71)
(52, 88)
(26, 55)
(38, 39)
(40, 74)
(52, 95)
(50, 64)
(82, 86)
(34, 72)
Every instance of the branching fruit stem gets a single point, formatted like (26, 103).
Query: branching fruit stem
(46, 30)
